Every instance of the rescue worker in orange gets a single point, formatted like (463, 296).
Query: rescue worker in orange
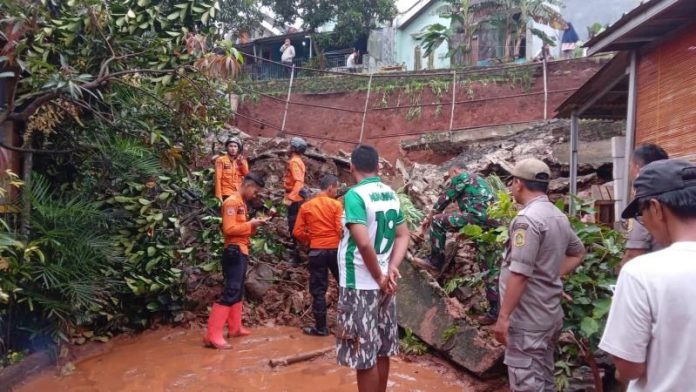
(230, 169)
(237, 230)
(319, 226)
(295, 191)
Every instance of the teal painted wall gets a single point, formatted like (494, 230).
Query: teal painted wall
(405, 43)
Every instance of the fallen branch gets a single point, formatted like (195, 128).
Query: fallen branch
(291, 359)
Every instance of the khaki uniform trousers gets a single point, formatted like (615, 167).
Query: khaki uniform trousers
(529, 358)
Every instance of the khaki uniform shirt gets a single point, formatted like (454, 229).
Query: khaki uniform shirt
(640, 238)
(540, 237)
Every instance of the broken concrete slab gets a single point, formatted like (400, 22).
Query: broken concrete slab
(442, 323)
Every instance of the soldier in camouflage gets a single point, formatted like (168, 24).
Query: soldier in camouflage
(472, 194)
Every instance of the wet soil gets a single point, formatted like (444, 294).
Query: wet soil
(173, 359)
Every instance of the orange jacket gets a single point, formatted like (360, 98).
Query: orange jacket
(229, 175)
(319, 223)
(235, 227)
(294, 178)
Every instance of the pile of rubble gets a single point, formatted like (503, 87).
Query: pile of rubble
(276, 291)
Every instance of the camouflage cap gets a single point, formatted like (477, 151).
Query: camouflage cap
(530, 169)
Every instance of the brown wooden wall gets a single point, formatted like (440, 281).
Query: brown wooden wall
(666, 106)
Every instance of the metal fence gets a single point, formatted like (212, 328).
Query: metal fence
(262, 69)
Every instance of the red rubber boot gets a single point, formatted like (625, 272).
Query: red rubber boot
(216, 323)
(234, 322)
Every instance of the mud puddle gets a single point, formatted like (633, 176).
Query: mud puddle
(175, 360)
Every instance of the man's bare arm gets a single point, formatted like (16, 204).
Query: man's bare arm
(400, 246)
(571, 263)
(628, 370)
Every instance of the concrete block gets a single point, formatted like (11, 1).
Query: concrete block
(424, 308)
(618, 146)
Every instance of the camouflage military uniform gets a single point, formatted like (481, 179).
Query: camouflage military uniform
(472, 194)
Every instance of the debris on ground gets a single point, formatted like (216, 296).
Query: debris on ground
(277, 291)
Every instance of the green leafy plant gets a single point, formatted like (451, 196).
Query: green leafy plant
(11, 358)
(453, 284)
(411, 344)
(412, 214)
(589, 289)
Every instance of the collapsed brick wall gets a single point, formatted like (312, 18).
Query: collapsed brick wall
(479, 104)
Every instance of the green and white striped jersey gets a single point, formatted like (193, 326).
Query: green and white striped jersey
(375, 205)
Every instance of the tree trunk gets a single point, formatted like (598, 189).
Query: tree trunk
(26, 194)
(506, 40)
(459, 45)
(318, 52)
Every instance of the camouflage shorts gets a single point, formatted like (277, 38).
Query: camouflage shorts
(366, 328)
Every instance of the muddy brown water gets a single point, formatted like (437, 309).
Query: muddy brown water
(174, 360)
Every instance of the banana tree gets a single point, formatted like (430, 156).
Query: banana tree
(457, 35)
(513, 17)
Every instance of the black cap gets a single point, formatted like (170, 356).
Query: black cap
(256, 179)
(661, 177)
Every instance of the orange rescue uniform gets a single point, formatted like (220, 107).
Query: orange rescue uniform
(319, 223)
(294, 179)
(235, 227)
(229, 175)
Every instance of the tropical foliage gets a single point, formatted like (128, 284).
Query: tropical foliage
(511, 17)
(112, 101)
(462, 27)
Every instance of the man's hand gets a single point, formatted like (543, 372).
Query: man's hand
(384, 284)
(287, 201)
(500, 330)
(256, 222)
(394, 275)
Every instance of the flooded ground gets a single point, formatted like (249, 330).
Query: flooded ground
(175, 360)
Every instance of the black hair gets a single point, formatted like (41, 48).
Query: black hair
(458, 165)
(365, 158)
(327, 181)
(649, 153)
(681, 202)
(255, 178)
(535, 186)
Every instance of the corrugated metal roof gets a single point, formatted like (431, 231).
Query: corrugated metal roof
(643, 25)
(608, 87)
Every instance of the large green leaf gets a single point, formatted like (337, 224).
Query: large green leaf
(589, 326)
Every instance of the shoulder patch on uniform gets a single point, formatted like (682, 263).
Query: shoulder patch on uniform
(519, 237)
(230, 211)
(522, 226)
